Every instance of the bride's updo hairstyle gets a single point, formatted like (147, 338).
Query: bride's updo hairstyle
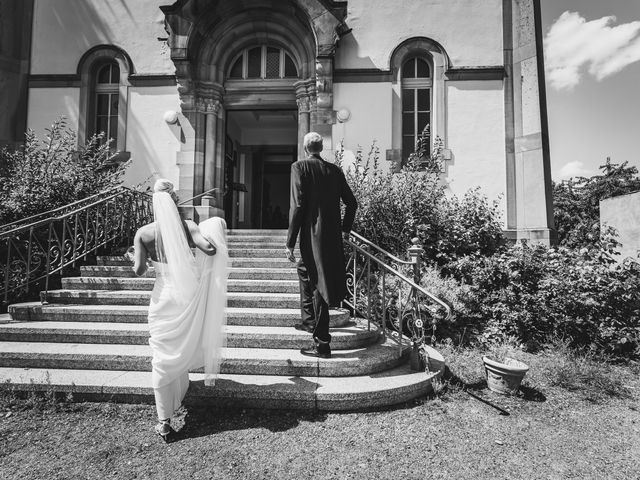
(164, 185)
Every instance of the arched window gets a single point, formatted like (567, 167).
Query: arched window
(416, 103)
(106, 98)
(262, 62)
(104, 89)
(417, 66)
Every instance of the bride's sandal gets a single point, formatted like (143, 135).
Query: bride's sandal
(163, 429)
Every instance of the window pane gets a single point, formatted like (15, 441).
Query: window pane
(115, 98)
(113, 130)
(423, 99)
(408, 145)
(254, 62)
(423, 121)
(115, 73)
(104, 74)
(289, 67)
(236, 69)
(423, 68)
(272, 68)
(102, 104)
(102, 124)
(408, 96)
(409, 69)
(408, 124)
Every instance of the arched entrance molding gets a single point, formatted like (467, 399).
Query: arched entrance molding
(205, 36)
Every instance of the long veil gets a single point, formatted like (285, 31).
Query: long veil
(215, 271)
(187, 316)
(176, 261)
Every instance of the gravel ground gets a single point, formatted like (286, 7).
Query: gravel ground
(555, 429)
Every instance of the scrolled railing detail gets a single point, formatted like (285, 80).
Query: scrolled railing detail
(379, 289)
(31, 253)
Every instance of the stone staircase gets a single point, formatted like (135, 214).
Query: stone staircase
(91, 340)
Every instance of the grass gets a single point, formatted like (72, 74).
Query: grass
(575, 417)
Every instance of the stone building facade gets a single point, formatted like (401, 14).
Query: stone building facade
(219, 93)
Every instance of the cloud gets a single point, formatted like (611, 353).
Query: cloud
(573, 45)
(574, 169)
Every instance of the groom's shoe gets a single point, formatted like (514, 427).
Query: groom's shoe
(304, 327)
(320, 349)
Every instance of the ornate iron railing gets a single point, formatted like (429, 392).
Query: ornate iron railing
(30, 254)
(380, 291)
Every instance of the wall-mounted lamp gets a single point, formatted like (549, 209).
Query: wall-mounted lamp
(171, 117)
(343, 115)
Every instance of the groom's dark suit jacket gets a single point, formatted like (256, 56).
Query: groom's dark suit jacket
(316, 189)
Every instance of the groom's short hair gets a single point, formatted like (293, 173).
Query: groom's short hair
(313, 142)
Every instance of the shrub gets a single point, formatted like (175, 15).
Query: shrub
(393, 208)
(532, 292)
(52, 172)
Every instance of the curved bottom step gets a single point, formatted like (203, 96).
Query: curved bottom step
(382, 389)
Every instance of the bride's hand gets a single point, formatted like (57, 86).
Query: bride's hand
(130, 253)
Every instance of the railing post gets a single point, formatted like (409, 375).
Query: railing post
(415, 256)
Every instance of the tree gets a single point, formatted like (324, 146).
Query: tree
(577, 201)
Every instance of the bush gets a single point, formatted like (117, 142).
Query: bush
(393, 208)
(533, 292)
(52, 172)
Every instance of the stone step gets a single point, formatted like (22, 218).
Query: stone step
(120, 271)
(243, 232)
(259, 252)
(138, 297)
(244, 361)
(239, 391)
(273, 317)
(266, 244)
(234, 285)
(259, 262)
(279, 239)
(350, 336)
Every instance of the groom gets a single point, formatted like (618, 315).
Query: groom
(316, 189)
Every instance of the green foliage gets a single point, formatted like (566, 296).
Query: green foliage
(52, 172)
(393, 208)
(533, 292)
(577, 202)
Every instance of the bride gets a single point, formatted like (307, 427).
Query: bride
(187, 308)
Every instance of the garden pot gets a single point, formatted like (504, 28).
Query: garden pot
(504, 377)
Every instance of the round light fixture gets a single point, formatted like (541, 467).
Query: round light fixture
(343, 115)
(171, 117)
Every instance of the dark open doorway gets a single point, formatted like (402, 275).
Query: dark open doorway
(260, 148)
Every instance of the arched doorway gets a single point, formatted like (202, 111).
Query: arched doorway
(256, 64)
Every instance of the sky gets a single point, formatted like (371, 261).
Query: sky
(592, 57)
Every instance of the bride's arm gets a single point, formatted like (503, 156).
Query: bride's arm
(139, 255)
(202, 243)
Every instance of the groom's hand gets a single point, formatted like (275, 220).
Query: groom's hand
(289, 254)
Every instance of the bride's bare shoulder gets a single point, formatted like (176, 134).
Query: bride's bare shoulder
(147, 231)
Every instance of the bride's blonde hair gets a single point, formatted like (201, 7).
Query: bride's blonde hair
(164, 185)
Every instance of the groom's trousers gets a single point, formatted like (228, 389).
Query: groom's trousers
(314, 308)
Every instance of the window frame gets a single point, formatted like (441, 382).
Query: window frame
(88, 68)
(416, 84)
(244, 55)
(438, 60)
(109, 89)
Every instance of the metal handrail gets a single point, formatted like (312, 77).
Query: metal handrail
(211, 190)
(369, 289)
(370, 244)
(44, 248)
(61, 217)
(50, 213)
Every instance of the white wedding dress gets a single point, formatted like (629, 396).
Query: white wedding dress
(187, 308)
